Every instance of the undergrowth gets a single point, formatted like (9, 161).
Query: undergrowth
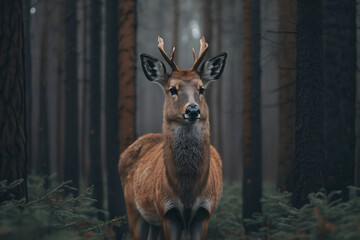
(52, 213)
(55, 213)
(325, 217)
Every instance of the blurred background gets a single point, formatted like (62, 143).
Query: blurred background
(181, 24)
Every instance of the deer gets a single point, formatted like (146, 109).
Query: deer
(172, 181)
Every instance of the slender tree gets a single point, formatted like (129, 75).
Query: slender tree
(308, 165)
(60, 93)
(116, 201)
(287, 79)
(27, 26)
(219, 23)
(252, 173)
(339, 59)
(176, 26)
(71, 165)
(210, 94)
(43, 130)
(126, 108)
(12, 98)
(95, 77)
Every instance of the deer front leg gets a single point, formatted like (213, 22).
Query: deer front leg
(199, 224)
(173, 225)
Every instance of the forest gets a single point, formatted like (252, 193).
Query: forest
(284, 116)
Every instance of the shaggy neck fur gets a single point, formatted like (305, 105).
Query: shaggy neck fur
(187, 160)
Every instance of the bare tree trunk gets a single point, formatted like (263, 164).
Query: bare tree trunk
(115, 192)
(210, 93)
(219, 99)
(252, 176)
(126, 108)
(95, 103)
(12, 98)
(308, 174)
(60, 95)
(176, 27)
(71, 170)
(27, 25)
(44, 161)
(287, 79)
(340, 92)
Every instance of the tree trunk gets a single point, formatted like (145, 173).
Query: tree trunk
(44, 157)
(60, 95)
(115, 192)
(339, 58)
(28, 79)
(12, 98)
(287, 79)
(95, 99)
(210, 93)
(126, 108)
(71, 164)
(308, 166)
(176, 28)
(252, 176)
(219, 100)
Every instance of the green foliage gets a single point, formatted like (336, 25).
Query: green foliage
(326, 216)
(53, 213)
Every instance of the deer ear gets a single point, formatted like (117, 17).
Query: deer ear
(153, 68)
(212, 69)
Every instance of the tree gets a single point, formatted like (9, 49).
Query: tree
(27, 25)
(252, 173)
(287, 78)
(176, 27)
(219, 23)
(115, 192)
(60, 93)
(44, 156)
(308, 165)
(12, 98)
(126, 108)
(95, 99)
(71, 165)
(339, 58)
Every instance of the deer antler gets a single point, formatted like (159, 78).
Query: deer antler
(203, 48)
(170, 61)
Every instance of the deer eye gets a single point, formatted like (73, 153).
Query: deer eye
(173, 91)
(201, 91)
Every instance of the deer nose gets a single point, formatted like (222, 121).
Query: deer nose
(192, 111)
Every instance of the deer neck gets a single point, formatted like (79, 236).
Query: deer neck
(187, 158)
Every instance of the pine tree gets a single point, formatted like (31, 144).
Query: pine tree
(12, 98)
(95, 99)
(287, 78)
(71, 165)
(339, 58)
(252, 178)
(308, 174)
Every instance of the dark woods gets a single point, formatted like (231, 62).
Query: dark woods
(284, 116)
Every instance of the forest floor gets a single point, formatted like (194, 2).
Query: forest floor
(55, 213)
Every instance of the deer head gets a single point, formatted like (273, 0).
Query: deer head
(184, 89)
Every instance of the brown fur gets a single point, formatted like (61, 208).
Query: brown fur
(148, 170)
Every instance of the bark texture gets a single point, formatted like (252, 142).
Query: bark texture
(339, 61)
(95, 100)
(252, 176)
(12, 98)
(43, 131)
(126, 108)
(115, 192)
(308, 166)
(71, 166)
(287, 79)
